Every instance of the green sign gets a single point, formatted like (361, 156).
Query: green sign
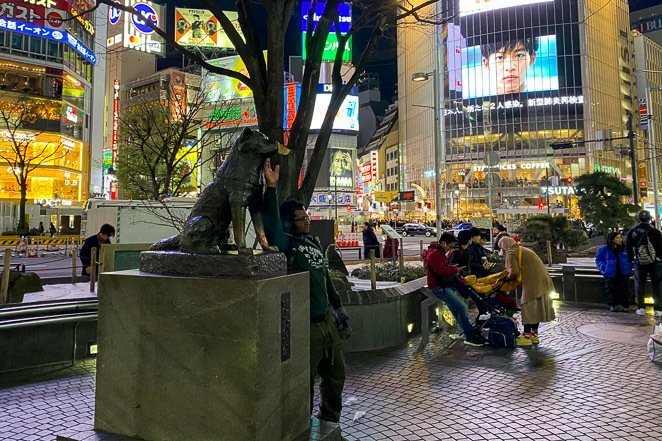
(605, 168)
(107, 159)
(331, 47)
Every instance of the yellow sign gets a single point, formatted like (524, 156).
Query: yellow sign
(385, 196)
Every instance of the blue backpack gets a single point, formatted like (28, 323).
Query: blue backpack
(503, 332)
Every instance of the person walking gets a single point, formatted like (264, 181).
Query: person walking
(288, 227)
(644, 247)
(370, 241)
(442, 279)
(525, 265)
(51, 229)
(616, 267)
(41, 228)
(103, 236)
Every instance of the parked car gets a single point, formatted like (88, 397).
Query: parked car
(485, 232)
(413, 229)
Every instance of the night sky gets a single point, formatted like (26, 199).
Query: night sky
(382, 62)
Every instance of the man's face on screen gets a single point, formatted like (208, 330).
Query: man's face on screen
(508, 67)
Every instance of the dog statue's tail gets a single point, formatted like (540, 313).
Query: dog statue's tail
(168, 244)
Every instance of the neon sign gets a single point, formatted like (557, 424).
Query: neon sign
(41, 32)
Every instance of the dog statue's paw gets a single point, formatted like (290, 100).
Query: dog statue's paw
(270, 249)
(246, 251)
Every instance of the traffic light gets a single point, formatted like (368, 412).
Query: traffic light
(541, 205)
(562, 145)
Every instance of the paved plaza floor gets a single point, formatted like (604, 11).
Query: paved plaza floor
(590, 379)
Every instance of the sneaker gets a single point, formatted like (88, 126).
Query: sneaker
(524, 340)
(535, 340)
(474, 341)
(641, 311)
(658, 313)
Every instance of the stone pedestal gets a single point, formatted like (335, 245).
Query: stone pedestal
(209, 359)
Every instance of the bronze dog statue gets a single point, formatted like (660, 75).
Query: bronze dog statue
(237, 185)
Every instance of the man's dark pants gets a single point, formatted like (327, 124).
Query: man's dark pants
(641, 272)
(327, 361)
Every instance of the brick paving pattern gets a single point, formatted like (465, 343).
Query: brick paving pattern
(583, 383)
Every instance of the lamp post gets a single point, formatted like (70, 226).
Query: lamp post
(438, 155)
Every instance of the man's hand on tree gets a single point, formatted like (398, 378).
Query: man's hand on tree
(271, 176)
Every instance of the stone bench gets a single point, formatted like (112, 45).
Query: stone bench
(383, 318)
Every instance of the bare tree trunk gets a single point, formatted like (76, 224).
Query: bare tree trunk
(22, 224)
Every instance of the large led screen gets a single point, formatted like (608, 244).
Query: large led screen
(347, 117)
(468, 7)
(509, 67)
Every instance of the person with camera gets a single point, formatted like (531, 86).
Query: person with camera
(644, 247)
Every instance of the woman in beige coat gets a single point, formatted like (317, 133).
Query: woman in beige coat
(536, 289)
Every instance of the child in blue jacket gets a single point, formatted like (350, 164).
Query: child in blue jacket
(616, 267)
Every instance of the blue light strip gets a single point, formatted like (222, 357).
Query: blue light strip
(50, 34)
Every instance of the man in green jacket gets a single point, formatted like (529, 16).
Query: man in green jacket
(288, 227)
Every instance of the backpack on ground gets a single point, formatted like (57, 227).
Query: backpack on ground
(655, 348)
(503, 332)
(644, 252)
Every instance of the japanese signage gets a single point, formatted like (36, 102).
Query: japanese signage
(487, 106)
(55, 35)
(385, 196)
(200, 27)
(133, 31)
(292, 95)
(366, 172)
(46, 13)
(87, 25)
(330, 198)
(344, 23)
(116, 117)
(233, 116)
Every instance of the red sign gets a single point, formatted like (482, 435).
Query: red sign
(366, 171)
(291, 104)
(46, 13)
(116, 117)
(178, 99)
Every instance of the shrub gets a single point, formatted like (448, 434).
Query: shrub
(390, 272)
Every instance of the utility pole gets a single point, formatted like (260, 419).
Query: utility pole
(633, 162)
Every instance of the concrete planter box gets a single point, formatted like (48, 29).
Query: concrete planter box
(380, 318)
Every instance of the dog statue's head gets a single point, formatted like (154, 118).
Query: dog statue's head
(256, 143)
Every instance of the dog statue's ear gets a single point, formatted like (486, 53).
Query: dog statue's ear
(246, 134)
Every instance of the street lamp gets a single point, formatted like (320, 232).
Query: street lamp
(439, 155)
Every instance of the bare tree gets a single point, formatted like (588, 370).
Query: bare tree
(266, 79)
(20, 119)
(160, 146)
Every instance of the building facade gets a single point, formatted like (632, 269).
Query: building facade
(47, 61)
(517, 80)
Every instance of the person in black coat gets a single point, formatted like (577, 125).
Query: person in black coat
(477, 254)
(370, 241)
(103, 236)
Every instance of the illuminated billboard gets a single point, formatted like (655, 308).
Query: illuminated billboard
(347, 117)
(200, 27)
(132, 31)
(507, 67)
(514, 74)
(344, 23)
(338, 169)
(468, 7)
(221, 87)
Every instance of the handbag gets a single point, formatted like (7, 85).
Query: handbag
(511, 285)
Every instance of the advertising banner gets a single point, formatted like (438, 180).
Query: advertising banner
(347, 117)
(506, 67)
(344, 24)
(338, 170)
(199, 27)
(132, 31)
(513, 68)
(221, 87)
(468, 7)
(44, 13)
